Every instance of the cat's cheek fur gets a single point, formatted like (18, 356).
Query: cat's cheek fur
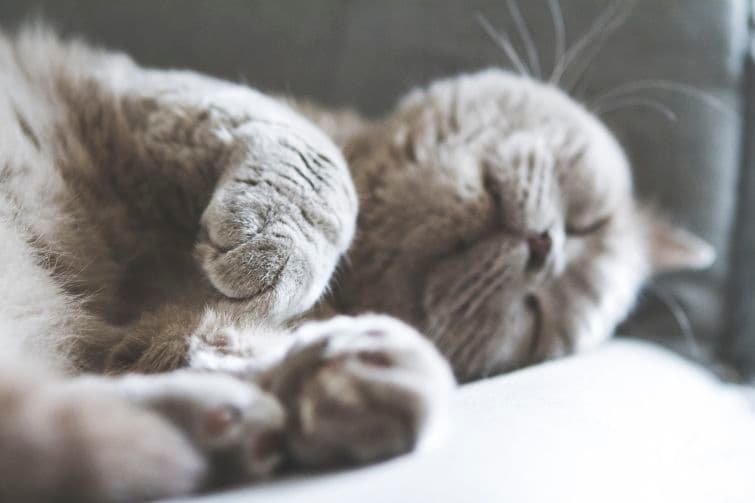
(472, 306)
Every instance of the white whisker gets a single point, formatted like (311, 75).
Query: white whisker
(620, 104)
(583, 65)
(681, 318)
(559, 35)
(524, 33)
(504, 43)
(662, 85)
(612, 16)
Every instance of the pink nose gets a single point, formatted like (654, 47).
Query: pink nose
(540, 247)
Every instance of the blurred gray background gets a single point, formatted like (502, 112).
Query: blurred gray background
(367, 53)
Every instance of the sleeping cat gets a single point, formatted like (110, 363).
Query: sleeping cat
(168, 223)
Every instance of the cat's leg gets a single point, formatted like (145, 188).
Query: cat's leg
(277, 223)
(61, 444)
(234, 425)
(347, 390)
(355, 389)
(135, 437)
(265, 194)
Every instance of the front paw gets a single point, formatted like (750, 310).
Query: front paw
(237, 426)
(85, 446)
(272, 242)
(271, 273)
(359, 389)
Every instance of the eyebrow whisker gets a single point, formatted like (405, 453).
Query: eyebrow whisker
(559, 34)
(612, 16)
(524, 34)
(504, 43)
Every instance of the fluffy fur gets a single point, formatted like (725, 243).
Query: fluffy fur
(156, 220)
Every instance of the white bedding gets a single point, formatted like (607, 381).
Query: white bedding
(628, 422)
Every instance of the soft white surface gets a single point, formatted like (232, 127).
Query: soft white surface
(627, 422)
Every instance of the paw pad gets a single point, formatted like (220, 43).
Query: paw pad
(221, 419)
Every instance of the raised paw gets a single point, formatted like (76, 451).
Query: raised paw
(234, 424)
(359, 389)
(276, 226)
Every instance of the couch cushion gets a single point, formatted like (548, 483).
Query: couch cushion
(739, 344)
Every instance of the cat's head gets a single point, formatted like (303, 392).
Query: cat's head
(497, 216)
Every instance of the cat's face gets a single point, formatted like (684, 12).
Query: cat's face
(497, 216)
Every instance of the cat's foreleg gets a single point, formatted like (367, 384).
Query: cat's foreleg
(265, 194)
(277, 223)
(343, 391)
(354, 389)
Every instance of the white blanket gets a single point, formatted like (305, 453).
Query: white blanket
(628, 422)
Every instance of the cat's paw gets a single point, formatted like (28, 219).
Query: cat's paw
(359, 389)
(234, 424)
(69, 444)
(271, 236)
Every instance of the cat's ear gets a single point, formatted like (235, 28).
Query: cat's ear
(673, 248)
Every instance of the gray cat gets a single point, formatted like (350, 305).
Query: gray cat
(167, 223)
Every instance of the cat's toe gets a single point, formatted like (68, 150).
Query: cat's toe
(360, 389)
(262, 272)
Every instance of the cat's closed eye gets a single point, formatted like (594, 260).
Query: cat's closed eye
(581, 230)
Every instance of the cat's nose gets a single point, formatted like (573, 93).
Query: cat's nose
(540, 246)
